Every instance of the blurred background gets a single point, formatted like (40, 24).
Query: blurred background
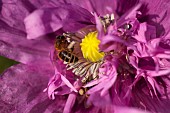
(6, 63)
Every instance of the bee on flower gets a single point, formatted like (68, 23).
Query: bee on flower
(88, 56)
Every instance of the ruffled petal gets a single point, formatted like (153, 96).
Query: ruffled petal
(13, 12)
(14, 45)
(98, 100)
(21, 90)
(13, 42)
(70, 103)
(70, 18)
(143, 100)
(145, 33)
(158, 14)
(118, 109)
(111, 109)
(95, 5)
(118, 7)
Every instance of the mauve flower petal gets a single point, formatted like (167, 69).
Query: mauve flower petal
(111, 42)
(13, 42)
(57, 87)
(41, 22)
(145, 101)
(118, 109)
(70, 103)
(153, 83)
(66, 19)
(21, 91)
(62, 82)
(14, 11)
(96, 5)
(145, 33)
(160, 9)
(109, 84)
(104, 85)
(70, 18)
(66, 81)
(166, 63)
(105, 82)
(99, 101)
(14, 45)
(119, 7)
(129, 14)
(162, 72)
(110, 109)
(99, 27)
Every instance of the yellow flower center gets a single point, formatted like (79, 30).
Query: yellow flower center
(90, 47)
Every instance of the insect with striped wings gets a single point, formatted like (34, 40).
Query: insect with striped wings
(65, 48)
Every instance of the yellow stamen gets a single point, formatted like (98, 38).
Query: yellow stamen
(90, 47)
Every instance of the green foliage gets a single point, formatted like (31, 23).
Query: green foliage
(6, 63)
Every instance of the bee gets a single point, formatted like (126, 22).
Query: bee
(67, 56)
(65, 49)
(83, 69)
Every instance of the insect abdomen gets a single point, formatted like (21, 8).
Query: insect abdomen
(68, 57)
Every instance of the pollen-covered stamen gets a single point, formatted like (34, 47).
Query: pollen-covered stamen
(82, 97)
(83, 91)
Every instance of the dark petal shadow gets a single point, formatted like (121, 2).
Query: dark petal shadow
(124, 5)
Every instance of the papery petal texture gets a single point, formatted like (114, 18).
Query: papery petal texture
(66, 17)
(96, 5)
(158, 14)
(14, 44)
(22, 91)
